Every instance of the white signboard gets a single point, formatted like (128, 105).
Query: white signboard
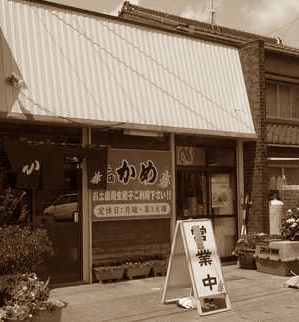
(138, 182)
(194, 263)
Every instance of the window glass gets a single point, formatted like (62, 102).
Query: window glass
(191, 194)
(283, 172)
(295, 102)
(61, 203)
(282, 100)
(285, 109)
(271, 99)
(209, 192)
(222, 194)
(225, 235)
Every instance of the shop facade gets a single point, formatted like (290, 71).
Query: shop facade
(282, 102)
(116, 151)
(270, 70)
(149, 183)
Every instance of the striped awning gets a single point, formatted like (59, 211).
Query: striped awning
(99, 70)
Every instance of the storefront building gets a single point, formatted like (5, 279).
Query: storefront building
(282, 101)
(271, 75)
(112, 131)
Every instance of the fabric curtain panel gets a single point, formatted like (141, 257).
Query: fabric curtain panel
(26, 163)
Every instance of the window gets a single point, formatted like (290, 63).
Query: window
(282, 100)
(192, 193)
(207, 189)
(295, 98)
(271, 99)
(283, 171)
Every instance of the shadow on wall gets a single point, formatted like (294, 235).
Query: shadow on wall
(10, 90)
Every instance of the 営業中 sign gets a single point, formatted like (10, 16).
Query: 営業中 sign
(194, 264)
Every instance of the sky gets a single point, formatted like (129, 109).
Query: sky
(273, 18)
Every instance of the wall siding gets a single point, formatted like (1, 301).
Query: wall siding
(116, 240)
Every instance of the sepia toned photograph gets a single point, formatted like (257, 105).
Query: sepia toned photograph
(149, 160)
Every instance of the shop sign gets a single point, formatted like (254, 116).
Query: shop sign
(190, 156)
(194, 263)
(139, 183)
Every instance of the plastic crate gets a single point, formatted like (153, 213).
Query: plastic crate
(277, 267)
(284, 250)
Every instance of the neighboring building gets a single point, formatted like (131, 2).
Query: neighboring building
(110, 131)
(271, 72)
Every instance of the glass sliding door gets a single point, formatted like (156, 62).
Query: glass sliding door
(59, 210)
(192, 200)
(222, 207)
(206, 188)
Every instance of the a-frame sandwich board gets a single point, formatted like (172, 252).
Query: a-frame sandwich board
(194, 268)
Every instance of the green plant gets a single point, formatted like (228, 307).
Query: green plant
(22, 248)
(290, 225)
(24, 295)
(247, 243)
(14, 207)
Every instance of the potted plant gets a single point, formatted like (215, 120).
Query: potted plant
(23, 296)
(280, 255)
(109, 270)
(23, 248)
(26, 298)
(159, 264)
(138, 266)
(245, 249)
(290, 225)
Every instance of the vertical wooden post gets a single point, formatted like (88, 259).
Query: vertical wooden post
(173, 166)
(240, 186)
(86, 216)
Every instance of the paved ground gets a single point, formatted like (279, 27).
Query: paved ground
(254, 296)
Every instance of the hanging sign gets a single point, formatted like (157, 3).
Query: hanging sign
(139, 184)
(195, 265)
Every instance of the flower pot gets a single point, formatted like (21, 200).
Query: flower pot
(159, 267)
(106, 273)
(139, 269)
(17, 320)
(46, 316)
(43, 315)
(246, 260)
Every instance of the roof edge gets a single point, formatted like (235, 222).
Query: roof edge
(121, 19)
(228, 35)
(75, 122)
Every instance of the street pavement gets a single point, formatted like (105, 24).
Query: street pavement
(254, 296)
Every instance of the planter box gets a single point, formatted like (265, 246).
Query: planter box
(138, 269)
(159, 267)
(275, 267)
(106, 273)
(247, 260)
(43, 316)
